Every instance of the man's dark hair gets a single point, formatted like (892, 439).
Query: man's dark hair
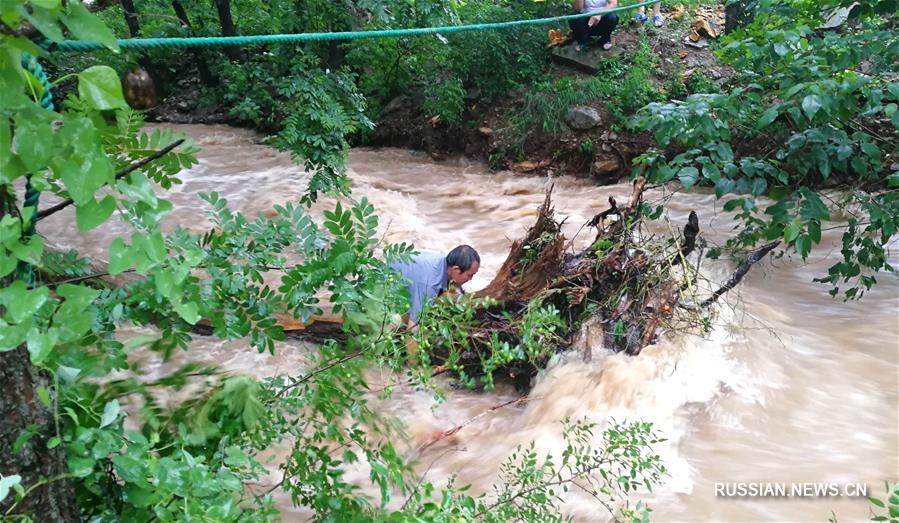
(462, 257)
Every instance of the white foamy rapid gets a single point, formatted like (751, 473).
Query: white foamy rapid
(788, 386)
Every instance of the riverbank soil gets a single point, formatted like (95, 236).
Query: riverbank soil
(593, 140)
(590, 138)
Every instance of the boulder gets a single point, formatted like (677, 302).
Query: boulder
(400, 103)
(606, 169)
(582, 118)
(738, 13)
(605, 165)
(835, 18)
(528, 166)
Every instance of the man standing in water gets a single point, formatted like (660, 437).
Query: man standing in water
(429, 274)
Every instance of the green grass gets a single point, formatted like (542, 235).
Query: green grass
(623, 85)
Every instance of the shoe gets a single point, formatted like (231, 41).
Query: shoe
(640, 17)
(657, 21)
(607, 46)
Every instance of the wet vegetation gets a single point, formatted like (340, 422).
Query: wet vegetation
(801, 137)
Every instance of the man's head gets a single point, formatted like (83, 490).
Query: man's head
(462, 263)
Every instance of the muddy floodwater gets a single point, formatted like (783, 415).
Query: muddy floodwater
(790, 387)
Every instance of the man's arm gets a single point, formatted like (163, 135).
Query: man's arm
(577, 5)
(595, 19)
(416, 292)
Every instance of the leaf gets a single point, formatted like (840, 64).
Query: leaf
(34, 143)
(730, 205)
(68, 374)
(138, 188)
(140, 497)
(812, 207)
(110, 413)
(893, 89)
(791, 231)
(12, 77)
(85, 26)
(100, 87)
(6, 483)
(188, 312)
(44, 396)
(43, 20)
(83, 175)
(724, 186)
(77, 296)
(804, 245)
(688, 176)
(154, 247)
(9, 263)
(21, 303)
(6, 157)
(814, 231)
(811, 104)
(767, 117)
(40, 344)
(92, 213)
(871, 150)
(24, 437)
(711, 172)
(28, 252)
(759, 185)
(119, 257)
(139, 341)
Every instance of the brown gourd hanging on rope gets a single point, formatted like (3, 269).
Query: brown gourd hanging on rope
(140, 92)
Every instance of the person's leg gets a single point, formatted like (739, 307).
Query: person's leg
(641, 15)
(605, 27)
(657, 19)
(580, 30)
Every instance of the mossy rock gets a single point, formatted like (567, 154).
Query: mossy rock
(587, 60)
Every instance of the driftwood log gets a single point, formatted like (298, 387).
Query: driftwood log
(619, 293)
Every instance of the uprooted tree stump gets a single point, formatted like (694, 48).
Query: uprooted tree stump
(619, 293)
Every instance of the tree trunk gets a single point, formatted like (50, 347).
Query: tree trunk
(228, 28)
(21, 413)
(202, 67)
(621, 293)
(20, 409)
(131, 18)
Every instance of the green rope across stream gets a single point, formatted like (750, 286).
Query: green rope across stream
(220, 41)
(32, 195)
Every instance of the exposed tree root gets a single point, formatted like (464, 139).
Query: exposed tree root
(620, 293)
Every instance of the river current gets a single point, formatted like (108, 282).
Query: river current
(791, 385)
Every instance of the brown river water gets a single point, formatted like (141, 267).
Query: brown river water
(791, 386)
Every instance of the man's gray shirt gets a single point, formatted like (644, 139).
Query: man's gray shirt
(426, 278)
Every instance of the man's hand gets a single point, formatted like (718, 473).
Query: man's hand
(594, 20)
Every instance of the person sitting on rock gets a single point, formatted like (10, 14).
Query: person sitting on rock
(599, 26)
(429, 274)
(657, 19)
